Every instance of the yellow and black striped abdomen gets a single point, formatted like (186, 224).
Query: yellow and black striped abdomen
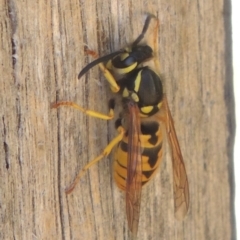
(151, 143)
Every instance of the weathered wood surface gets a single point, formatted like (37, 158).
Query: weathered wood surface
(42, 51)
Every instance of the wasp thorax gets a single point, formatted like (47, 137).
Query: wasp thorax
(144, 87)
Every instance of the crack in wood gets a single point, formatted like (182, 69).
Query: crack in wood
(5, 145)
(13, 22)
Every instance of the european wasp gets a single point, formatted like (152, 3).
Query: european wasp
(141, 126)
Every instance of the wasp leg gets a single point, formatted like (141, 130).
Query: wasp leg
(104, 153)
(87, 111)
(113, 84)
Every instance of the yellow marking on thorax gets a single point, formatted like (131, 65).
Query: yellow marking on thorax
(159, 105)
(137, 82)
(147, 109)
(134, 97)
(125, 93)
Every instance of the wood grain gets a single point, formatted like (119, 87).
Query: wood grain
(42, 51)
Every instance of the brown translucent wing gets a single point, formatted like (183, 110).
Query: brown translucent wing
(180, 181)
(134, 169)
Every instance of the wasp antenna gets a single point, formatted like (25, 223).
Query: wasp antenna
(99, 60)
(145, 27)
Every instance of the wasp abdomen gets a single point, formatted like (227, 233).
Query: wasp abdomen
(151, 143)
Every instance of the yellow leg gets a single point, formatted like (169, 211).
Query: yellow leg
(113, 84)
(104, 153)
(87, 111)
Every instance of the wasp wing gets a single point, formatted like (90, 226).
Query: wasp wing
(134, 169)
(180, 181)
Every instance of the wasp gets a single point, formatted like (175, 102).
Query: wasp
(144, 121)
